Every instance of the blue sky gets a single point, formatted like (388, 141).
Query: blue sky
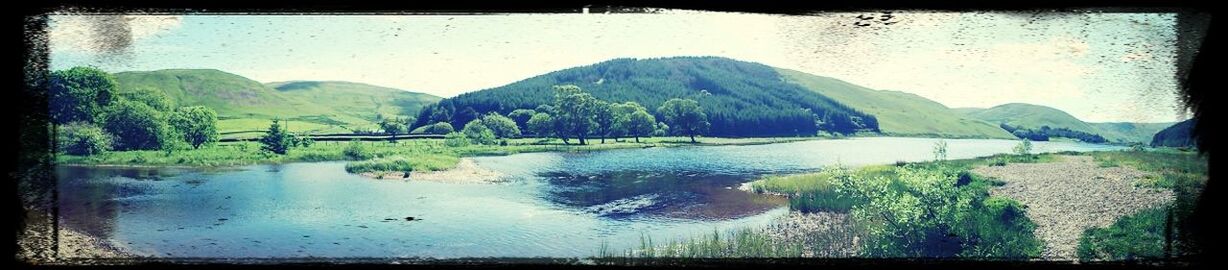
(1099, 67)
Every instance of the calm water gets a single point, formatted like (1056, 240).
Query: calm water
(556, 204)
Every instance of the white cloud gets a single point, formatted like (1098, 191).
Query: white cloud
(88, 33)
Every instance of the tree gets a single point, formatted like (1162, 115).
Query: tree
(478, 133)
(136, 126)
(1023, 148)
(153, 97)
(80, 94)
(276, 139)
(393, 126)
(622, 113)
(196, 124)
(502, 126)
(603, 115)
(576, 111)
(660, 129)
(440, 128)
(940, 150)
(639, 124)
(464, 116)
(685, 117)
(541, 124)
(521, 116)
(82, 139)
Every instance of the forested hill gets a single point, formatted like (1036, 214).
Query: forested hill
(740, 98)
(1178, 135)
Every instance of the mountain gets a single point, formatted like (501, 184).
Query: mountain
(1177, 135)
(1035, 116)
(899, 113)
(246, 107)
(1132, 132)
(232, 96)
(740, 98)
(358, 99)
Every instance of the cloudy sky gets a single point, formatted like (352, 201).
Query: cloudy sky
(1099, 67)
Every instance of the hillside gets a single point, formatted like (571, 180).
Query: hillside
(1177, 135)
(1034, 116)
(357, 99)
(232, 96)
(1134, 132)
(245, 107)
(741, 98)
(899, 113)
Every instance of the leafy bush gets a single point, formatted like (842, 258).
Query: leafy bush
(478, 133)
(440, 128)
(136, 126)
(355, 150)
(79, 138)
(1023, 148)
(455, 139)
(920, 211)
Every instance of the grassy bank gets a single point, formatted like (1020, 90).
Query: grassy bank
(925, 209)
(428, 154)
(738, 243)
(1162, 232)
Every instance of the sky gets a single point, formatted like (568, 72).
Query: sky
(1099, 67)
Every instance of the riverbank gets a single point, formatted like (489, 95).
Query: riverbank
(248, 153)
(1065, 198)
(75, 244)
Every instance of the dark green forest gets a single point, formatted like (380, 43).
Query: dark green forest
(1045, 132)
(741, 99)
(1178, 135)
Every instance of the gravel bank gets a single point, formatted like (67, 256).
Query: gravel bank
(75, 244)
(1068, 196)
(466, 171)
(823, 234)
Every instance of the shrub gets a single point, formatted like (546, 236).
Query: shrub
(79, 138)
(478, 133)
(455, 139)
(136, 126)
(440, 128)
(1023, 148)
(355, 150)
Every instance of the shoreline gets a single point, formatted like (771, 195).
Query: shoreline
(75, 244)
(466, 171)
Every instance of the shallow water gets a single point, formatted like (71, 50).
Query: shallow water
(556, 204)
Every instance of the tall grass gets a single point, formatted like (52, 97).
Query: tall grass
(403, 164)
(736, 243)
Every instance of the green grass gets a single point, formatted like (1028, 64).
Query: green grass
(1133, 237)
(403, 164)
(737, 243)
(900, 113)
(1141, 235)
(1170, 166)
(935, 208)
(243, 153)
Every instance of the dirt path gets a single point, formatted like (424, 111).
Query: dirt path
(1066, 197)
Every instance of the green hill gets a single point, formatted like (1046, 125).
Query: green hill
(1177, 135)
(246, 107)
(360, 100)
(899, 113)
(741, 99)
(232, 96)
(1131, 132)
(1034, 116)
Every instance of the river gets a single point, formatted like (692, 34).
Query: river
(554, 204)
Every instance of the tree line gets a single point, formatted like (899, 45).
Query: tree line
(573, 115)
(90, 115)
(1045, 132)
